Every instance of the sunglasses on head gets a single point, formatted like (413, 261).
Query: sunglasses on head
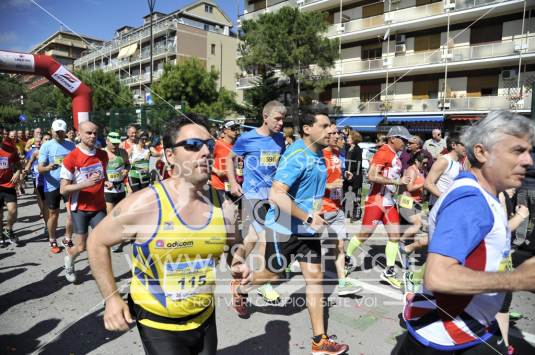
(195, 144)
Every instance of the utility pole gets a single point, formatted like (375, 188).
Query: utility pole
(151, 4)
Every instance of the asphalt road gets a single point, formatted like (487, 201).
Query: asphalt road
(40, 312)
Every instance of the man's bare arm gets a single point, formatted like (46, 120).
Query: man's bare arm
(445, 275)
(438, 168)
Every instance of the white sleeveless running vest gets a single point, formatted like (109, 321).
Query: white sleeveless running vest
(446, 179)
(451, 322)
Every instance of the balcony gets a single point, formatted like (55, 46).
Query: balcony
(417, 62)
(450, 105)
(419, 18)
(272, 6)
(246, 82)
(141, 79)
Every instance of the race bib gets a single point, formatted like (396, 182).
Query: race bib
(239, 172)
(506, 264)
(58, 160)
(142, 168)
(227, 186)
(316, 205)
(88, 172)
(4, 163)
(406, 201)
(115, 175)
(269, 158)
(186, 279)
(335, 194)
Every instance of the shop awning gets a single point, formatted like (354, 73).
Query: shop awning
(395, 119)
(360, 123)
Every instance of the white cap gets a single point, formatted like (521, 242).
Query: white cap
(59, 125)
(399, 131)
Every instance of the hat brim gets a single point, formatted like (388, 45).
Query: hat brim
(114, 140)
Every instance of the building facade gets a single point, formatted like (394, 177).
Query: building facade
(199, 30)
(65, 47)
(424, 63)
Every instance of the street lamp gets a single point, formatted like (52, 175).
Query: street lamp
(151, 4)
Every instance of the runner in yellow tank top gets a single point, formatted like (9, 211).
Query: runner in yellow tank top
(180, 230)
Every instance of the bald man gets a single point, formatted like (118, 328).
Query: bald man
(436, 144)
(83, 178)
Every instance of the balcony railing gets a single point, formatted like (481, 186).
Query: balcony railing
(275, 6)
(452, 55)
(138, 79)
(403, 15)
(482, 103)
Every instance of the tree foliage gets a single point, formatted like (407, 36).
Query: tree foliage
(293, 42)
(267, 88)
(189, 84)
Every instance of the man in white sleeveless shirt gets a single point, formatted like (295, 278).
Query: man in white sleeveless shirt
(465, 278)
(445, 169)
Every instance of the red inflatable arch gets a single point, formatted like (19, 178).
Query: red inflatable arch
(22, 63)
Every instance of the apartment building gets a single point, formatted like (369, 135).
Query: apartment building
(200, 30)
(65, 47)
(444, 62)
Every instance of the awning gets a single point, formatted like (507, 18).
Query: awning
(127, 51)
(465, 118)
(391, 119)
(360, 123)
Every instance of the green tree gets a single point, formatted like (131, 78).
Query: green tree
(293, 42)
(266, 89)
(10, 105)
(190, 85)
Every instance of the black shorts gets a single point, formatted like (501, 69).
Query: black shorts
(283, 249)
(254, 212)
(507, 302)
(7, 195)
(138, 184)
(200, 341)
(81, 220)
(114, 198)
(53, 199)
(41, 192)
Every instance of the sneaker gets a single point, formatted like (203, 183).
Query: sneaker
(349, 267)
(10, 237)
(3, 242)
(239, 301)
(510, 350)
(514, 315)
(328, 346)
(54, 248)
(269, 294)
(410, 285)
(69, 269)
(67, 242)
(348, 287)
(389, 276)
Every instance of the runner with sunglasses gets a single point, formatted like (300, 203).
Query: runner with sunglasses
(385, 177)
(223, 147)
(260, 149)
(180, 230)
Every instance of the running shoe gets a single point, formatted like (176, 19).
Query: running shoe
(514, 315)
(69, 269)
(10, 237)
(510, 350)
(349, 267)
(389, 276)
(269, 294)
(3, 242)
(328, 346)
(348, 287)
(239, 301)
(410, 284)
(54, 248)
(67, 242)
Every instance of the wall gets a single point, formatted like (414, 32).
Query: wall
(352, 53)
(216, 16)
(224, 60)
(457, 86)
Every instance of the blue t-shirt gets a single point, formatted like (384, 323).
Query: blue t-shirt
(305, 173)
(261, 155)
(54, 152)
(463, 220)
(39, 179)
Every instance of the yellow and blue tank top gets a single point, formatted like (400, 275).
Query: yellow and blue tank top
(174, 270)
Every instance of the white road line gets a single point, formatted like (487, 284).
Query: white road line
(530, 338)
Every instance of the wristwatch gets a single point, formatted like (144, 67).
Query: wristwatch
(309, 220)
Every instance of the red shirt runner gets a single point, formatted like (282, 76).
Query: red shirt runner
(332, 200)
(79, 166)
(221, 152)
(8, 157)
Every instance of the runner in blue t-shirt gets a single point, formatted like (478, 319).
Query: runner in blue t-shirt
(294, 219)
(51, 157)
(260, 150)
(32, 164)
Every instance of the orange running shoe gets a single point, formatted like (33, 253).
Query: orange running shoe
(239, 301)
(328, 346)
(54, 248)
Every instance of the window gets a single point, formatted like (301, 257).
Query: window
(212, 67)
(372, 51)
(370, 92)
(208, 8)
(206, 27)
(212, 50)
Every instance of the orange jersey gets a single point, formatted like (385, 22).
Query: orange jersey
(221, 152)
(332, 200)
(390, 166)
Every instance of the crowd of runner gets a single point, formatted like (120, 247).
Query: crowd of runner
(446, 208)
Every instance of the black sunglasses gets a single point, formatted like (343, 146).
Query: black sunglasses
(195, 144)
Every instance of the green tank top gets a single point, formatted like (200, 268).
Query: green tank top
(114, 172)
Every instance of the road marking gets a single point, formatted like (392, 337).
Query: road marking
(530, 338)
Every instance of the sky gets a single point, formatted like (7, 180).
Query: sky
(23, 24)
